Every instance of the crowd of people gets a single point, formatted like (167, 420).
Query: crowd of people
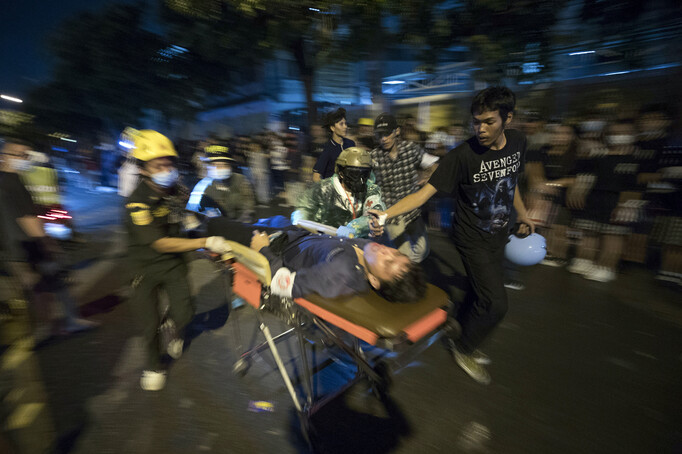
(603, 188)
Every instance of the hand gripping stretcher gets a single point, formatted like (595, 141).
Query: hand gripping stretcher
(393, 327)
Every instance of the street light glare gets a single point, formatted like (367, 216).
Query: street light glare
(10, 98)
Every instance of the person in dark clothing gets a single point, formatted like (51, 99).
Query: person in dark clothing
(154, 212)
(305, 263)
(335, 122)
(30, 255)
(603, 228)
(481, 175)
(551, 172)
(223, 192)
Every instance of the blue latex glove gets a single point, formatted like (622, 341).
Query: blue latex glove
(346, 232)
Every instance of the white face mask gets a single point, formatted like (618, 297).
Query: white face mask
(20, 165)
(219, 174)
(165, 179)
(620, 139)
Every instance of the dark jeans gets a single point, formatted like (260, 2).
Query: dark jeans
(487, 304)
(278, 178)
(145, 304)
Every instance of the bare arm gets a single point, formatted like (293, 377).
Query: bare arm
(32, 226)
(316, 177)
(521, 213)
(170, 245)
(412, 201)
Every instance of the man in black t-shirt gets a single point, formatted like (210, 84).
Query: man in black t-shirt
(335, 122)
(28, 253)
(481, 174)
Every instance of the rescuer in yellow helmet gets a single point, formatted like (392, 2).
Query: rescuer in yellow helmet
(154, 214)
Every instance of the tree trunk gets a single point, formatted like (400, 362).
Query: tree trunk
(307, 74)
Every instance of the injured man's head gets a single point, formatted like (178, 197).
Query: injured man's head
(392, 274)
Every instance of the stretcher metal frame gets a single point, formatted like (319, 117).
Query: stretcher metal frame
(251, 277)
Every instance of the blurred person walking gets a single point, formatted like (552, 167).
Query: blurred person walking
(223, 192)
(610, 175)
(260, 171)
(154, 213)
(129, 172)
(366, 133)
(662, 175)
(335, 123)
(550, 170)
(33, 257)
(279, 167)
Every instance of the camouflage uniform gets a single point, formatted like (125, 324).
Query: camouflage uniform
(326, 203)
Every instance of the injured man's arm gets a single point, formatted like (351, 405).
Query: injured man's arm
(304, 263)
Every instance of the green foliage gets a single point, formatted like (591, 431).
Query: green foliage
(110, 68)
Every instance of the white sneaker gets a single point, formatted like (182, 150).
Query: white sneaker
(553, 262)
(152, 380)
(667, 276)
(580, 266)
(514, 285)
(471, 367)
(600, 274)
(480, 358)
(175, 347)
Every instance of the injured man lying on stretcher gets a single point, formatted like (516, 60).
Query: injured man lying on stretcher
(304, 263)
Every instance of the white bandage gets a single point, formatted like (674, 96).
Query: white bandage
(428, 160)
(218, 244)
(282, 282)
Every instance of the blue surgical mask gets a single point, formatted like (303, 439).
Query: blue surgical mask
(165, 179)
(219, 174)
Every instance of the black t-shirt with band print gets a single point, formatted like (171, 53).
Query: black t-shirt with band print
(482, 182)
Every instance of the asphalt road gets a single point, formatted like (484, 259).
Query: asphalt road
(578, 366)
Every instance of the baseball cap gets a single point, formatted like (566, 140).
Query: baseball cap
(385, 123)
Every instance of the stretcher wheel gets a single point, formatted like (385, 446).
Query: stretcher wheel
(241, 366)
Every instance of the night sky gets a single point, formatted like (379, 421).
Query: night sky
(24, 31)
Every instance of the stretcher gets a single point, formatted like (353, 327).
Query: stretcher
(349, 323)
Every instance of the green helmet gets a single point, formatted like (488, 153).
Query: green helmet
(353, 157)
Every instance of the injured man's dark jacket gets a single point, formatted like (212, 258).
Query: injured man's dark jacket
(304, 263)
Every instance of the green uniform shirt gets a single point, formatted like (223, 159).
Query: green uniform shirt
(233, 197)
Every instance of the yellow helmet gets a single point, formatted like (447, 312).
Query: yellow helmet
(366, 122)
(353, 157)
(149, 144)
